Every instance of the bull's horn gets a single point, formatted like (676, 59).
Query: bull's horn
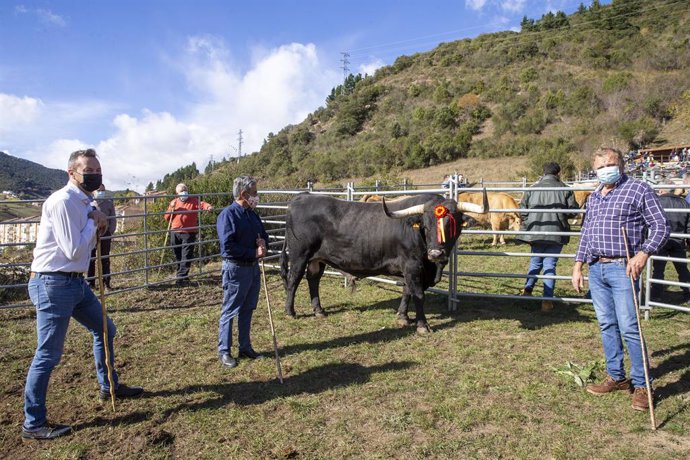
(411, 211)
(472, 207)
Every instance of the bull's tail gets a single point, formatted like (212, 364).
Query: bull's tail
(284, 262)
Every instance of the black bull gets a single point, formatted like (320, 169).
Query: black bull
(366, 239)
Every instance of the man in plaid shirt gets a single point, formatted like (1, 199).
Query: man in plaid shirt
(619, 201)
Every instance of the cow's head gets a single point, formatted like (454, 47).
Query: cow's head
(514, 222)
(442, 221)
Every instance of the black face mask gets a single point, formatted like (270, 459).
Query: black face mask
(91, 182)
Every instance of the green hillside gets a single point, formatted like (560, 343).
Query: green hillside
(28, 179)
(615, 75)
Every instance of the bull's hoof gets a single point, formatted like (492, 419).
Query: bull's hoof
(404, 321)
(290, 315)
(320, 313)
(423, 330)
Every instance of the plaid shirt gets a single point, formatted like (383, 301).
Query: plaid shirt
(631, 204)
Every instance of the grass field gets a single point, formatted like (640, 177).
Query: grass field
(356, 385)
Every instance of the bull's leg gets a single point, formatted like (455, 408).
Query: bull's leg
(493, 242)
(294, 276)
(417, 294)
(403, 318)
(314, 273)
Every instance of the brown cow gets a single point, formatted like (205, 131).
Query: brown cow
(495, 220)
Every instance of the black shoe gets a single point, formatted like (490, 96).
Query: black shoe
(686, 296)
(251, 354)
(122, 391)
(228, 361)
(47, 431)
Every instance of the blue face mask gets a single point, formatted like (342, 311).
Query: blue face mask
(609, 174)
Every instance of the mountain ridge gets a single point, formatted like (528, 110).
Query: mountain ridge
(28, 179)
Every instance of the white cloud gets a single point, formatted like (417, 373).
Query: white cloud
(370, 67)
(48, 17)
(44, 16)
(17, 112)
(514, 6)
(281, 87)
(475, 4)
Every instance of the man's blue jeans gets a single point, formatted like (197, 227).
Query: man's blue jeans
(612, 295)
(57, 299)
(536, 263)
(241, 287)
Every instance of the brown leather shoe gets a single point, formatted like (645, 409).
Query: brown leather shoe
(546, 306)
(608, 386)
(640, 401)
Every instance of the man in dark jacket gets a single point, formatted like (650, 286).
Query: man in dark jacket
(546, 222)
(674, 247)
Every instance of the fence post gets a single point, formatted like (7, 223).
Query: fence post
(200, 241)
(146, 241)
(377, 185)
(405, 183)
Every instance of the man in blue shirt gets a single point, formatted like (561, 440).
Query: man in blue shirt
(242, 242)
(619, 201)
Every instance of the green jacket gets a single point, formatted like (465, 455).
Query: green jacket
(547, 222)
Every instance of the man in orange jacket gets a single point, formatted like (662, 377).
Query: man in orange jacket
(184, 212)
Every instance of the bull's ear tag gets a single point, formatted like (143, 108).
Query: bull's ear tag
(415, 225)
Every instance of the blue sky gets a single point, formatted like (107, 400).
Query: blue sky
(155, 85)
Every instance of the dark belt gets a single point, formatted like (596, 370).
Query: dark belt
(608, 260)
(242, 263)
(65, 274)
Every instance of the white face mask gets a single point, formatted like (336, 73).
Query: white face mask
(183, 196)
(609, 174)
(253, 201)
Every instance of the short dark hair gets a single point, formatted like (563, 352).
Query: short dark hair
(552, 168)
(74, 156)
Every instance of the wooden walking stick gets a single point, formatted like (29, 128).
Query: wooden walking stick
(165, 244)
(101, 289)
(270, 320)
(643, 344)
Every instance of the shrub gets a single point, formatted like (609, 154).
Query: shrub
(617, 82)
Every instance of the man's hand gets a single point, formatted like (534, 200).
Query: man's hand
(636, 264)
(578, 280)
(260, 248)
(100, 219)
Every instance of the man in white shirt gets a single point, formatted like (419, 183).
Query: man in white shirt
(66, 236)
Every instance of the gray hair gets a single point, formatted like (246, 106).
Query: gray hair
(242, 184)
(606, 151)
(74, 156)
(180, 186)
